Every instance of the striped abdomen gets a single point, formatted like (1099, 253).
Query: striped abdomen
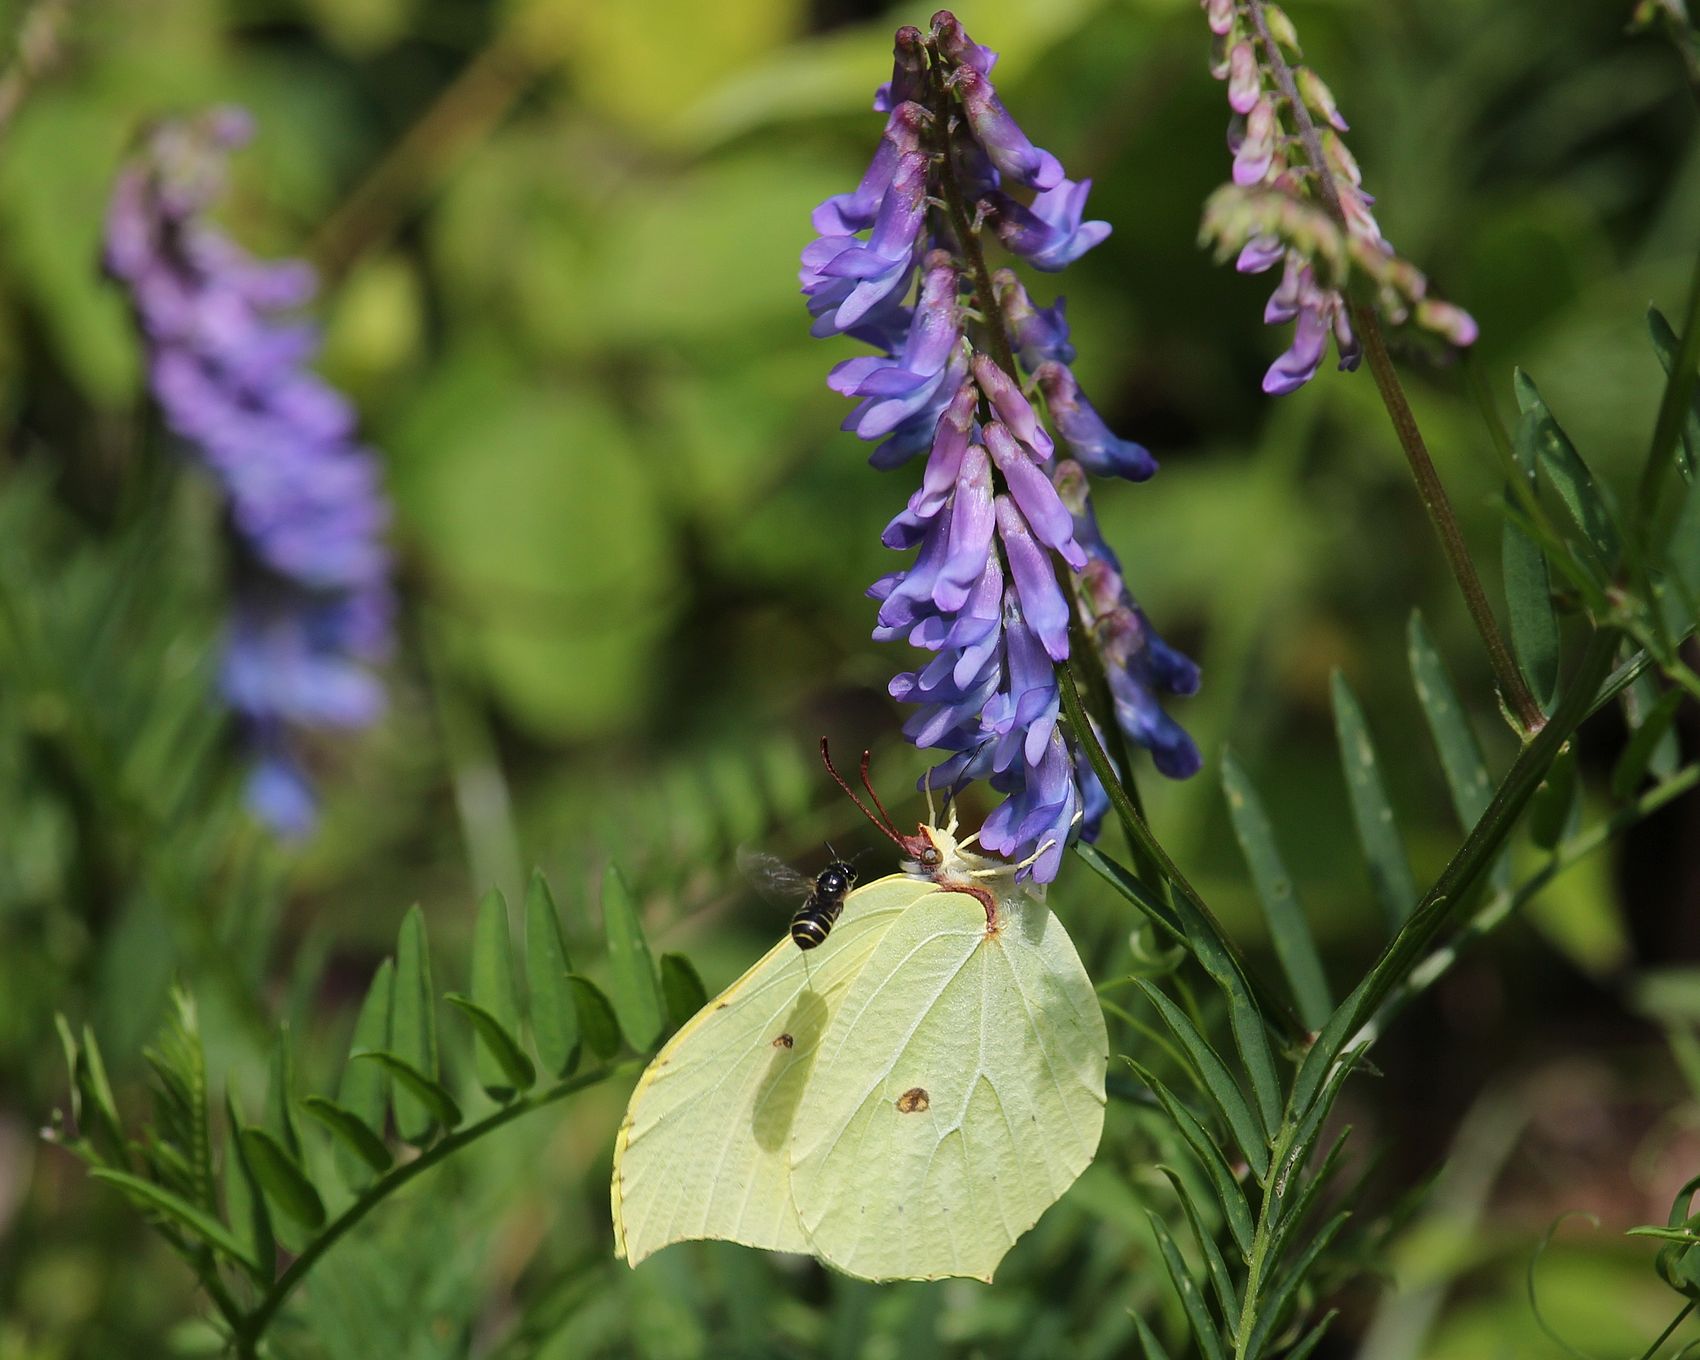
(813, 921)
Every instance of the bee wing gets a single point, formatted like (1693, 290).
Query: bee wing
(773, 878)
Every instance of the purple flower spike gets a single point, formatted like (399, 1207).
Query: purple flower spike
(1245, 81)
(311, 613)
(1004, 141)
(1009, 569)
(1089, 439)
(1256, 151)
(1049, 235)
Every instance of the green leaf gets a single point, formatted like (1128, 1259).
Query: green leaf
(1274, 1303)
(413, 1028)
(354, 1136)
(157, 1199)
(1247, 1127)
(1455, 741)
(1148, 1343)
(1288, 929)
(1554, 808)
(181, 1150)
(682, 987)
(432, 1097)
(1682, 555)
(1313, 1338)
(244, 1201)
(285, 1182)
(1291, 1216)
(1644, 748)
(494, 994)
(1188, 924)
(92, 1108)
(364, 1089)
(505, 1055)
(596, 1019)
(1384, 852)
(280, 1097)
(1235, 1211)
(631, 972)
(1192, 1300)
(1667, 343)
(1568, 474)
(554, 1017)
(1227, 1298)
(1528, 588)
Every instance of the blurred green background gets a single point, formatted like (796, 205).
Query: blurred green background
(559, 241)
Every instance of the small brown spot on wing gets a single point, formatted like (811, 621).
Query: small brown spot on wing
(913, 1101)
(784, 1041)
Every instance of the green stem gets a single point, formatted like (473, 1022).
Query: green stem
(1665, 1335)
(1430, 489)
(255, 1324)
(1261, 1237)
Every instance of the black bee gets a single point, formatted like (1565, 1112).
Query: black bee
(823, 896)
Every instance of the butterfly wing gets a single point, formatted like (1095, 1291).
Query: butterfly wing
(958, 1093)
(702, 1152)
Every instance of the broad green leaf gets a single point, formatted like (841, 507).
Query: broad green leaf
(1454, 740)
(682, 987)
(439, 1106)
(1556, 804)
(1384, 852)
(354, 1136)
(1274, 1303)
(1668, 343)
(631, 972)
(157, 1199)
(554, 1017)
(1227, 1298)
(506, 1056)
(1652, 746)
(1569, 475)
(364, 1089)
(1229, 1195)
(1147, 1341)
(285, 1182)
(413, 1027)
(596, 1019)
(1528, 586)
(493, 993)
(245, 1202)
(1192, 1300)
(1245, 1123)
(1288, 928)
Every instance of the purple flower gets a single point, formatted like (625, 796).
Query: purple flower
(1090, 440)
(311, 616)
(1006, 551)
(1049, 235)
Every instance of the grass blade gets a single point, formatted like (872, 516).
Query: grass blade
(1235, 1211)
(365, 1087)
(353, 1135)
(498, 1061)
(1192, 1299)
(1569, 475)
(505, 1056)
(1217, 1268)
(1275, 1302)
(631, 971)
(1668, 346)
(554, 1017)
(439, 1106)
(413, 1027)
(1244, 1122)
(1455, 741)
(1384, 852)
(285, 1183)
(1295, 946)
(1528, 587)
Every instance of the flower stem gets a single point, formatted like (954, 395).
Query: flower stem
(1430, 490)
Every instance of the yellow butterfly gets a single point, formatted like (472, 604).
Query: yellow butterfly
(902, 1103)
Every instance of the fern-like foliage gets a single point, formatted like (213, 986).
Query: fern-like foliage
(254, 1222)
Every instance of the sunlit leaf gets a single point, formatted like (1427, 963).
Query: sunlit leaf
(554, 1016)
(1248, 1129)
(635, 991)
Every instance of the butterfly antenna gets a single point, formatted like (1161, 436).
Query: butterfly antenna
(868, 785)
(885, 826)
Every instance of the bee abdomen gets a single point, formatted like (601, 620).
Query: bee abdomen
(813, 921)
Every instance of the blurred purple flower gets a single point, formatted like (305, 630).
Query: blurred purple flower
(311, 614)
(1001, 571)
